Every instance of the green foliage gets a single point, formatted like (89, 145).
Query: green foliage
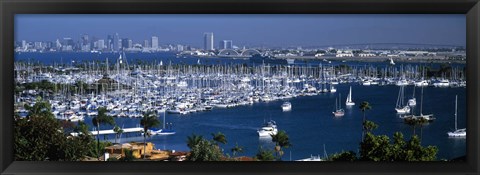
(219, 138)
(281, 141)
(344, 156)
(41, 108)
(40, 137)
(128, 156)
(205, 151)
(369, 126)
(148, 121)
(42, 85)
(265, 155)
(117, 131)
(236, 149)
(380, 148)
(101, 118)
(193, 140)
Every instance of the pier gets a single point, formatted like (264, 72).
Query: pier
(110, 131)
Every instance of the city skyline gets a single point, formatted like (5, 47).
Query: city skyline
(250, 30)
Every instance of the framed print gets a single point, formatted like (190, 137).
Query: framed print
(254, 87)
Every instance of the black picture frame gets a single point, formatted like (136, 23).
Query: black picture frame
(8, 8)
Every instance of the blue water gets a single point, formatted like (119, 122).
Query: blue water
(66, 58)
(311, 124)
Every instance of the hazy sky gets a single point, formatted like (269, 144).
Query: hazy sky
(252, 30)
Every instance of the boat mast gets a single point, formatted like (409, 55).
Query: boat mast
(456, 112)
(421, 104)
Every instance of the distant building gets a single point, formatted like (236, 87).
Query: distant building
(101, 44)
(109, 43)
(226, 44)
(154, 42)
(180, 48)
(125, 43)
(208, 41)
(146, 44)
(116, 42)
(130, 43)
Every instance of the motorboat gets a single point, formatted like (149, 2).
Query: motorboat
(268, 129)
(287, 106)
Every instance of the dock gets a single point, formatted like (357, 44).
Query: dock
(110, 131)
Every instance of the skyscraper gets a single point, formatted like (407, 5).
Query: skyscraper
(101, 44)
(146, 44)
(116, 42)
(226, 44)
(208, 41)
(109, 43)
(125, 43)
(154, 42)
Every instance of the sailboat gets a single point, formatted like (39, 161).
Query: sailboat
(349, 101)
(457, 132)
(163, 131)
(400, 107)
(428, 117)
(412, 102)
(339, 112)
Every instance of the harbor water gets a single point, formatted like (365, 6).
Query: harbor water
(311, 126)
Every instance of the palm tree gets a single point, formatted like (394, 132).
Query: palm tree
(421, 122)
(219, 138)
(117, 131)
(193, 140)
(41, 108)
(236, 149)
(148, 121)
(364, 106)
(281, 141)
(101, 118)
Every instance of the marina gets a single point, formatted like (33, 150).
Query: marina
(236, 99)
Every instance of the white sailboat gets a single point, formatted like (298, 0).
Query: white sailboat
(412, 102)
(458, 132)
(339, 112)
(428, 117)
(400, 107)
(349, 101)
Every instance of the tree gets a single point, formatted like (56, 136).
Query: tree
(264, 155)
(193, 140)
(148, 121)
(128, 155)
(219, 138)
(380, 148)
(281, 141)
(236, 149)
(117, 131)
(205, 151)
(364, 106)
(344, 156)
(100, 119)
(368, 126)
(41, 108)
(39, 137)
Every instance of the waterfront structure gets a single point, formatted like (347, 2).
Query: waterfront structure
(208, 41)
(154, 42)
